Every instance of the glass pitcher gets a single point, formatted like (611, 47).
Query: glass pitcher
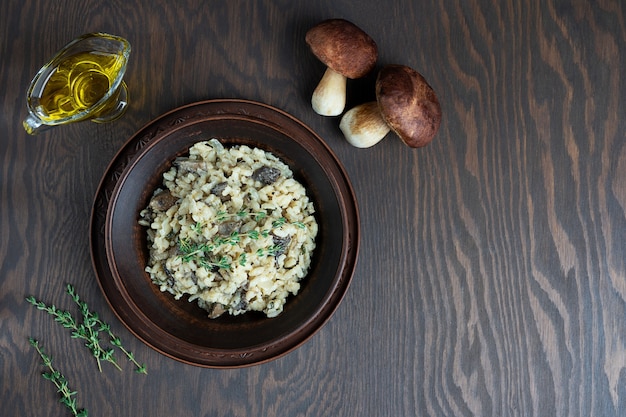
(83, 81)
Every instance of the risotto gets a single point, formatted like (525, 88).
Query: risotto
(231, 229)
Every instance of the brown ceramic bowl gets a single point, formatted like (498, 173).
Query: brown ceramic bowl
(180, 329)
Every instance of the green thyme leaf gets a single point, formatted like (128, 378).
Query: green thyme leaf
(89, 330)
(67, 396)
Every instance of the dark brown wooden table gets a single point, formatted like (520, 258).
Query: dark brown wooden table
(492, 274)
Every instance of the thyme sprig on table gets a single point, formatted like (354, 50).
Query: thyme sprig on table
(84, 331)
(94, 320)
(68, 397)
(88, 330)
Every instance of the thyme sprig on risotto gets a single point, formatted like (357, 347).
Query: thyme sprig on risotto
(88, 330)
(201, 252)
(68, 397)
(256, 215)
(243, 213)
(193, 251)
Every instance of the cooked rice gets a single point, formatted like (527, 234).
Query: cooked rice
(202, 229)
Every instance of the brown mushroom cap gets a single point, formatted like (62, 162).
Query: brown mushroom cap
(343, 47)
(408, 104)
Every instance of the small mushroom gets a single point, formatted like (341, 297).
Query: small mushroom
(162, 201)
(190, 165)
(405, 103)
(215, 310)
(280, 244)
(218, 189)
(348, 52)
(227, 228)
(266, 175)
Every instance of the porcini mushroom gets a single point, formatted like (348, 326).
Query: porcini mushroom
(348, 52)
(405, 103)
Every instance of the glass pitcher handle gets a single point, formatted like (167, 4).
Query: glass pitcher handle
(33, 125)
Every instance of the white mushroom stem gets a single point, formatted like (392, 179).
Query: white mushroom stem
(363, 126)
(329, 97)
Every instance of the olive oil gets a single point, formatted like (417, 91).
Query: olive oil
(77, 83)
(83, 81)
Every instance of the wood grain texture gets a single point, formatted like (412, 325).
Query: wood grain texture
(492, 272)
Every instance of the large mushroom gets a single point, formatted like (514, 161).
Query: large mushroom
(348, 52)
(405, 104)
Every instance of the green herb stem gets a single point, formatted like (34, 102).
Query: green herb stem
(117, 342)
(88, 330)
(95, 325)
(241, 214)
(79, 331)
(68, 397)
(201, 252)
